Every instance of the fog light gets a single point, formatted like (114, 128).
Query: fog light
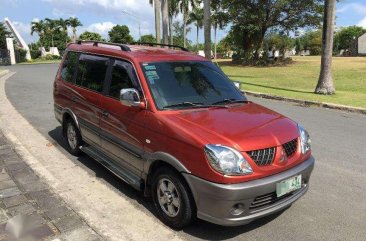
(237, 209)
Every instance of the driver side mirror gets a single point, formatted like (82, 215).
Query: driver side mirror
(130, 97)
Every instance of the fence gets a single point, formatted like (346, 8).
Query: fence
(4, 57)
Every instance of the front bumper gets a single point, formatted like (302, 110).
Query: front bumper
(215, 202)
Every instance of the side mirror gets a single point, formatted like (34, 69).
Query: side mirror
(130, 97)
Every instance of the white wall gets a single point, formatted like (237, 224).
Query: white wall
(362, 45)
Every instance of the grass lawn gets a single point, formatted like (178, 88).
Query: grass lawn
(37, 61)
(299, 80)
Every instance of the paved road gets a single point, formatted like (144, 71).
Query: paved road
(333, 209)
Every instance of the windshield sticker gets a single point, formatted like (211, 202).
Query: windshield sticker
(152, 76)
(150, 67)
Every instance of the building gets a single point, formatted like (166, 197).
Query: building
(362, 45)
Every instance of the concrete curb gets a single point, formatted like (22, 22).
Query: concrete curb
(309, 103)
(4, 72)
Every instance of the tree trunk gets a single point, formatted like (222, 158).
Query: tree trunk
(215, 40)
(171, 30)
(74, 35)
(325, 83)
(184, 28)
(157, 6)
(198, 29)
(165, 14)
(207, 27)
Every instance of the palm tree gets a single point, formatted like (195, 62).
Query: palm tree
(173, 11)
(74, 23)
(184, 9)
(325, 83)
(39, 28)
(218, 22)
(64, 24)
(157, 6)
(165, 15)
(50, 27)
(207, 27)
(196, 16)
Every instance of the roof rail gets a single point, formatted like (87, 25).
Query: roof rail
(95, 43)
(163, 45)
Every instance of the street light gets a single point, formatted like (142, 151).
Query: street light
(134, 16)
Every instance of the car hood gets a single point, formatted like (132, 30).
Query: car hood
(244, 126)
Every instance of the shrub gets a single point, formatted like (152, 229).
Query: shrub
(35, 54)
(21, 55)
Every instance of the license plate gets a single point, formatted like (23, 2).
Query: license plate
(288, 185)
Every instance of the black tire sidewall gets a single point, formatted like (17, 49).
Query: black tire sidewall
(74, 151)
(186, 212)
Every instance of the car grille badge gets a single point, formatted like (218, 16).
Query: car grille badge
(283, 157)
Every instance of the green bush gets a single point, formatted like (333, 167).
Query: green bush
(51, 57)
(35, 54)
(22, 54)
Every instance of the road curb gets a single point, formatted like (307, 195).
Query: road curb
(4, 72)
(309, 103)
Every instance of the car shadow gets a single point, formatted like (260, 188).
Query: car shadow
(200, 229)
(208, 231)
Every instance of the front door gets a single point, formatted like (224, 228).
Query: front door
(122, 126)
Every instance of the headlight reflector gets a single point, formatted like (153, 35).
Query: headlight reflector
(304, 140)
(227, 160)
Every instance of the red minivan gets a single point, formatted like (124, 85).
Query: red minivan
(172, 125)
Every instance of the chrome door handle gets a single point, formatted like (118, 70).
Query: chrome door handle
(105, 113)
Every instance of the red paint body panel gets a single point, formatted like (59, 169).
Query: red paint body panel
(183, 134)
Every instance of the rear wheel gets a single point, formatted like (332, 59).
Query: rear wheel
(172, 199)
(73, 138)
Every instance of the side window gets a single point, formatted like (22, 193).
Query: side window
(69, 66)
(91, 72)
(120, 78)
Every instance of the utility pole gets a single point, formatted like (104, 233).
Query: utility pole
(136, 18)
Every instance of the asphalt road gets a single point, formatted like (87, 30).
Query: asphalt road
(333, 209)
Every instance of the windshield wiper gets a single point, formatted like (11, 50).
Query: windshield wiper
(229, 101)
(184, 104)
(192, 105)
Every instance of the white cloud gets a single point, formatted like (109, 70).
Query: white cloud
(354, 7)
(101, 28)
(362, 23)
(24, 30)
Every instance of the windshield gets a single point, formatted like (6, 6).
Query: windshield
(189, 84)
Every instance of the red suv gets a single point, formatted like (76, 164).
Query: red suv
(171, 124)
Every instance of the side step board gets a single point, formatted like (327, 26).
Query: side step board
(127, 176)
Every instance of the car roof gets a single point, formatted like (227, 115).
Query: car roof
(136, 52)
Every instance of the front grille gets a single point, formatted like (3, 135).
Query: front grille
(290, 147)
(263, 157)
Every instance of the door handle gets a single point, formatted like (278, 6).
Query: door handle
(105, 113)
(73, 99)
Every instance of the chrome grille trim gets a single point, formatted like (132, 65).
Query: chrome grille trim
(290, 147)
(263, 157)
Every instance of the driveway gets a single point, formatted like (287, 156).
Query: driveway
(333, 209)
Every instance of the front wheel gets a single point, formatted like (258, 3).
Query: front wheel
(172, 199)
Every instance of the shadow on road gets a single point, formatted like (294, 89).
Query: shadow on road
(200, 229)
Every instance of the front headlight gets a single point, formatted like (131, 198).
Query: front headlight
(304, 140)
(227, 161)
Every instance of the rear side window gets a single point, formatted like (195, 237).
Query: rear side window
(120, 78)
(91, 72)
(69, 66)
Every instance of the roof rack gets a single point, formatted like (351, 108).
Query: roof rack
(163, 45)
(95, 43)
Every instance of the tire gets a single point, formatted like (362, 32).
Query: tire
(172, 199)
(73, 138)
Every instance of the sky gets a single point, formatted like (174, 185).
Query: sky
(101, 15)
